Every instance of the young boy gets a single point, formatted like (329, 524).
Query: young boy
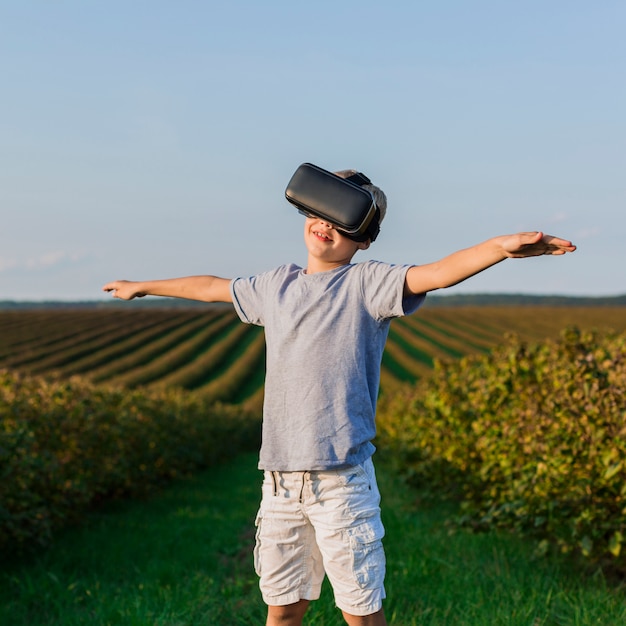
(325, 328)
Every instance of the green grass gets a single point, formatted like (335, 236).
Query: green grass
(183, 557)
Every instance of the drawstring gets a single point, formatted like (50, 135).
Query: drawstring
(275, 485)
(302, 488)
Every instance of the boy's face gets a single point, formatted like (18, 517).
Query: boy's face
(327, 245)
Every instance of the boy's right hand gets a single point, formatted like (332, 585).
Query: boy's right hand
(124, 289)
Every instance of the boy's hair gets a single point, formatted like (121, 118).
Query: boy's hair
(379, 196)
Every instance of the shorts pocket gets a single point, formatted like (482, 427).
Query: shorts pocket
(368, 555)
(355, 477)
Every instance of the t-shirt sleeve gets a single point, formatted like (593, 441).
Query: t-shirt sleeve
(250, 295)
(383, 290)
(248, 299)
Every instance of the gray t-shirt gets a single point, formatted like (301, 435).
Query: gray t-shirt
(325, 334)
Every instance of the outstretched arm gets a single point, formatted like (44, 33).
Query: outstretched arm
(203, 288)
(463, 264)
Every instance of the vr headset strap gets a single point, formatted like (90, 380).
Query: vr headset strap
(374, 226)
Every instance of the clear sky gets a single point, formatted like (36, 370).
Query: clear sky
(150, 139)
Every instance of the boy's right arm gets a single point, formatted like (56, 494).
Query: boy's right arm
(203, 288)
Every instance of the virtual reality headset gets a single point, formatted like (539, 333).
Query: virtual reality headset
(340, 201)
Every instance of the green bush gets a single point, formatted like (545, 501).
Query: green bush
(530, 436)
(66, 445)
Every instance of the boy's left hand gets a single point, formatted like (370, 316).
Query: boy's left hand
(523, 245)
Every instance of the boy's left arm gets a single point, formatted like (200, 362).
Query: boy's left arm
(463, 264)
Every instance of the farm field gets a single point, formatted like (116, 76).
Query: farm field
(207, 350)
(184, 556)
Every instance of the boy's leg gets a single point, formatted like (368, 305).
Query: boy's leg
(375, 619)
(286, 556)
(343, 506)
(289, 615)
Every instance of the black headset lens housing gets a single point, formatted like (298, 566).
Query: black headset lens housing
(343, 202)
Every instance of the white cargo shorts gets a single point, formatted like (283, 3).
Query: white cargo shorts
(321, 522)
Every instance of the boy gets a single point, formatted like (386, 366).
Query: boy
(325, 328)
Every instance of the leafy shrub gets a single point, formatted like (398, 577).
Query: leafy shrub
(530, 436)
(65, 445)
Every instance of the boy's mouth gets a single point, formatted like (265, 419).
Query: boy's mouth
(322, 235)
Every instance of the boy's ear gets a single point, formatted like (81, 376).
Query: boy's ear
(364, 245)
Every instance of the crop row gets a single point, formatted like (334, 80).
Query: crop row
(65, 445)
(530, 436)
(208, 350)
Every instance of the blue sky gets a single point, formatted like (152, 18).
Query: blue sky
(155, 139)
